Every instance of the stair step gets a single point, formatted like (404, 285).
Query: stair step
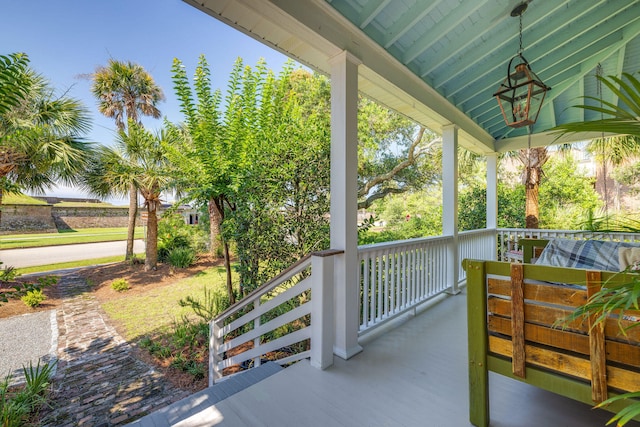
(199, 401)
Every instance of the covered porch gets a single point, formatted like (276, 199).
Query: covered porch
(437, 62)
(411, 374)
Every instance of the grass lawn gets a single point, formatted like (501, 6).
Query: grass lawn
(161, 306)
(84, 235)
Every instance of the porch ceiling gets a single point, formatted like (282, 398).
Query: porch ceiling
(440, 61)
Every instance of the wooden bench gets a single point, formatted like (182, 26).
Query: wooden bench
(512, 327)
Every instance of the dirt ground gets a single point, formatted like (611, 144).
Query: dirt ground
(100, 278)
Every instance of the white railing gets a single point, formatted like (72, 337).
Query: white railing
(274, 321)
(475, 244)
(510, 250)
(395, 277)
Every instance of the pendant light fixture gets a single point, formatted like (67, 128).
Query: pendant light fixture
(521, 94)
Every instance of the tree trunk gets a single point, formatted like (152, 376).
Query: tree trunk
(215, 223)
(227, 264)
(151, 244)
(533, 160)
(131, 226)
(1, 195)
(532, 212)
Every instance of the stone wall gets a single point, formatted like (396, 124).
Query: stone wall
(51, 218)
(26, 219)
(88, 217)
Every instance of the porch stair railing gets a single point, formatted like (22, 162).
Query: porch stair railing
(274, 321)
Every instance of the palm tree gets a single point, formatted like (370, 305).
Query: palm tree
(12, 91)
(623, 119)
(40, 134)
(125, 92)
(138, 158)
(615, 151)
(533, 160)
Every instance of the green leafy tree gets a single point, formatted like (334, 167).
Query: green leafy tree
(473, 207)
(394, 154)
(566, 194)
(41, 134)
(211, 154)
(283, 200)
(126, 92)
(139, 158)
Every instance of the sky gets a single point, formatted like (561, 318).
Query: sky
(66, 39)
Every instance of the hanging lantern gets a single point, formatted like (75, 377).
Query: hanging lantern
(521, 94)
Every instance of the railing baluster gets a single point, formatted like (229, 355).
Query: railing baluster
(364, 304)
(256, 324)
(387, 296)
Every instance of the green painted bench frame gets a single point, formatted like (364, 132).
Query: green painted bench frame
(529, 246)
(481, 361)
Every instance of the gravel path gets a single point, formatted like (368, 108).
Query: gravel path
(27, 338)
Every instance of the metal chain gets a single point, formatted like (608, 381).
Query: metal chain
(520, 51)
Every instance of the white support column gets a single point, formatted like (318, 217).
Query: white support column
(450, 200)
(344, 201)
(492, 200)
(492, 190)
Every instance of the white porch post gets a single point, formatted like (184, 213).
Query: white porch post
(450, 200)
(492, 190)
(492, 200)
(344, 201)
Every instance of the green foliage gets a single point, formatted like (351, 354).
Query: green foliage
(612, 222)
(120, 285)
(618, 296)
(621, 118)
(41, 134)
(186, 347)
(33, 298)
(394, 154)
(179, 238)
(18, 405)
(473, 204)
(12, 88)
(212, 304)
(628, 413)
(629, 175)
(566, 197)
(566, 194)
(281, 203)
(8, 273)
(21, 289)
(181, 257)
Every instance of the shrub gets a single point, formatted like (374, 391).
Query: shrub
(173, 233)
(120, 285)
(186, 347)
(33, 298)
(19, 405)
(209, 307)
(181, 257)
(8, 273)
